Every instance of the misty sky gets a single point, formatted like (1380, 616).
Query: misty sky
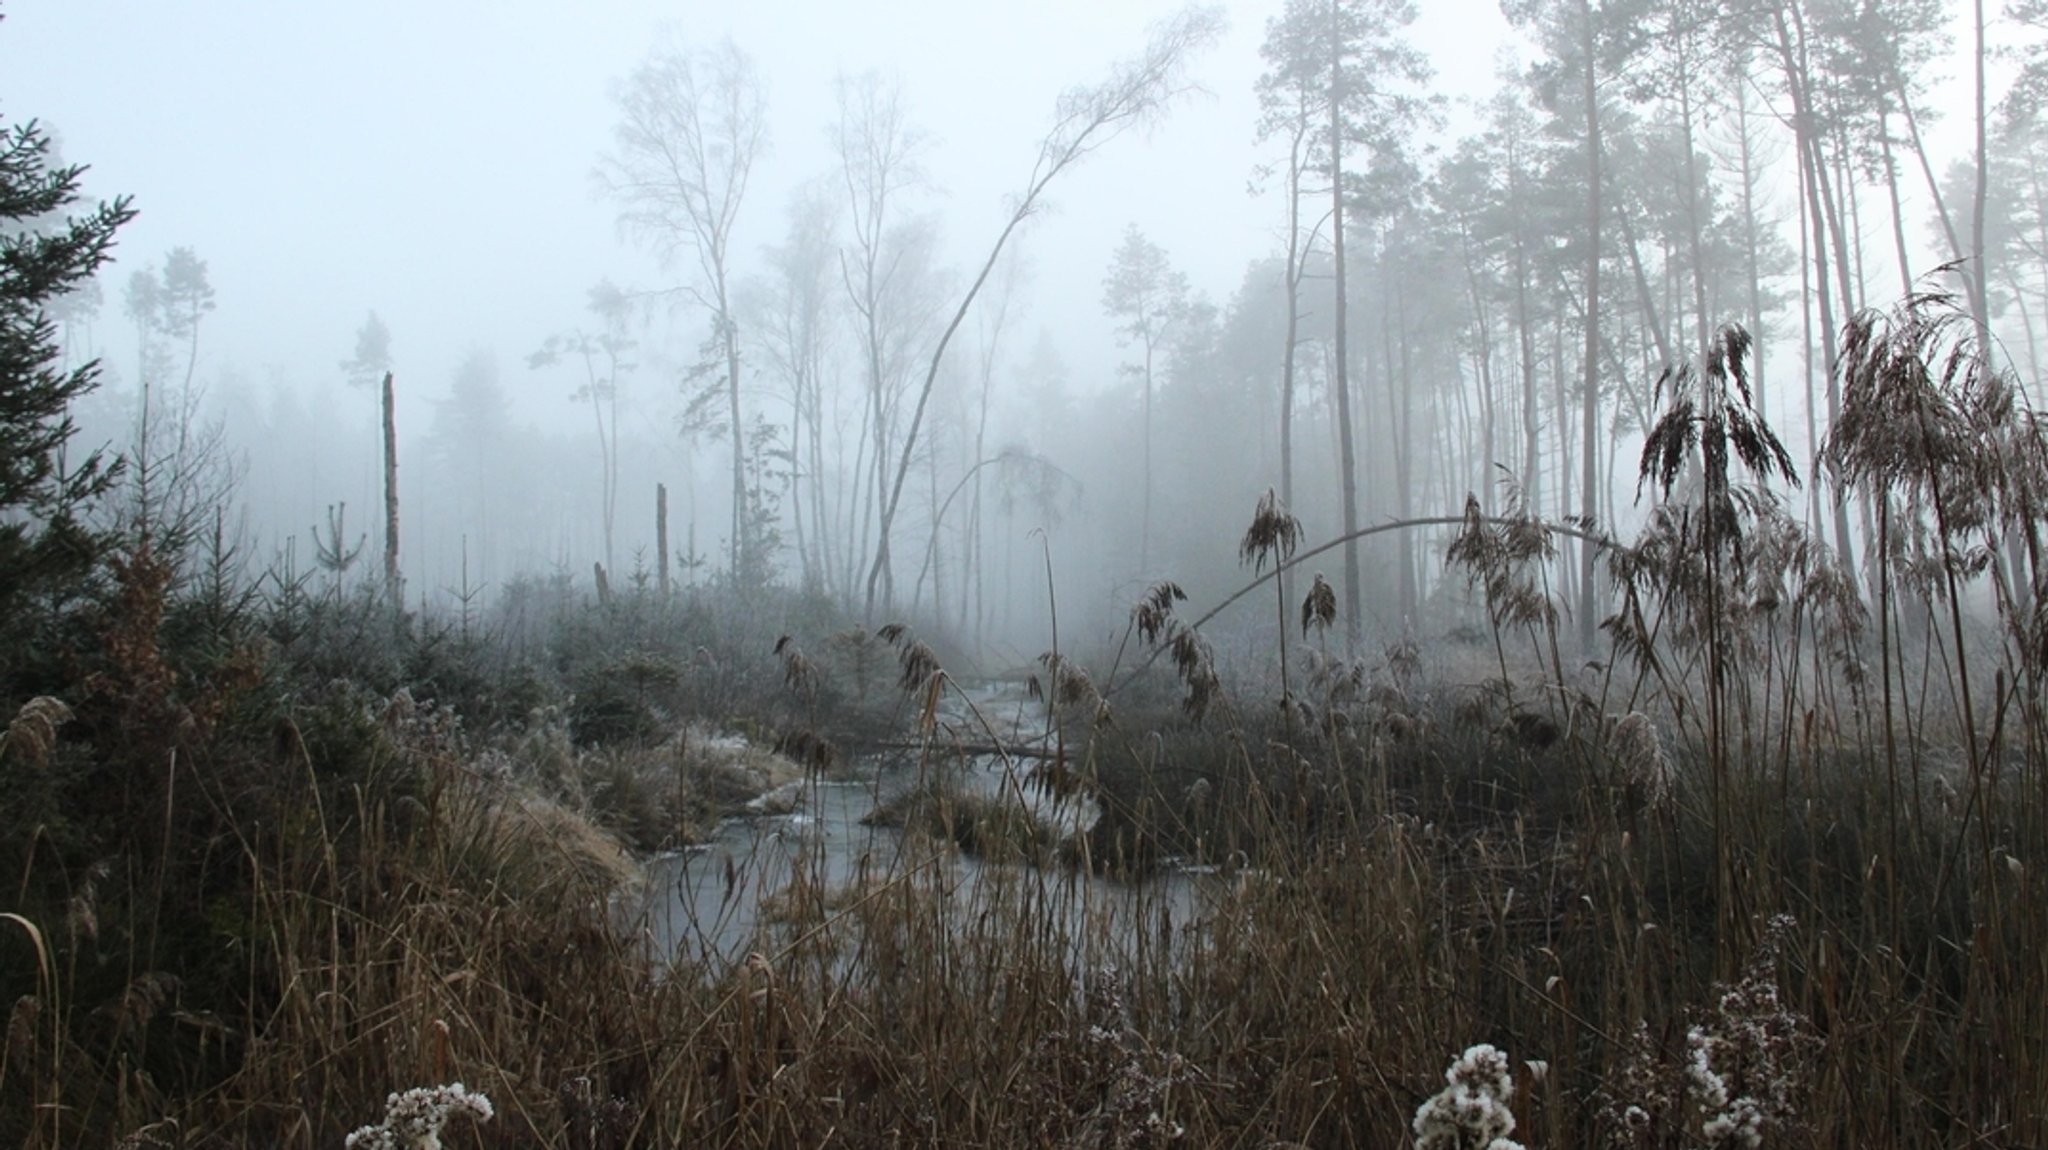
(432, 159)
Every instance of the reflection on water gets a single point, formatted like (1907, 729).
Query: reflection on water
(760, 875)
(711, 903)
(708, 901)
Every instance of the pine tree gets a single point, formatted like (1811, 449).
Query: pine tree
(45, 253)
(1351, 61)
(1147, 297)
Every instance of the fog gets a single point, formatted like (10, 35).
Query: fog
(458, 169)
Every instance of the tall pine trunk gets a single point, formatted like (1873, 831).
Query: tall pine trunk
(1696, 225)
(1532, 446)
(1483, 357)
(1404, 460)
(1891, 183)
(1145, 522)
(1980, 300)
(729, 333)
(1347, 462)
(1589, 402)
(1814, 168)
(796, 486)
(1296, 257)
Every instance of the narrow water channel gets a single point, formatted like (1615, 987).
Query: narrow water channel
(717, 901)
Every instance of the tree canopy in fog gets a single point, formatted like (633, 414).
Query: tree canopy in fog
(814, 364)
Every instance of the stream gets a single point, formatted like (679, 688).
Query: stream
(710, 903)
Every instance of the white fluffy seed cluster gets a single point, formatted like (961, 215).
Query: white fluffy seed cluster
(1472, 1108)
(1728, 1121)
(413, 1120)
(1643, 762)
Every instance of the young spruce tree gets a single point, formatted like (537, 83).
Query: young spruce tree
(45, 252)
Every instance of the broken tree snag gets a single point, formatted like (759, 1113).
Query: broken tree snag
(392, 586)
(661, 537)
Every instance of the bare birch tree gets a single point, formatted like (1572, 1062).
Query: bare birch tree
(879, 165)
(603, 355)
(792, 306)
(691, 124)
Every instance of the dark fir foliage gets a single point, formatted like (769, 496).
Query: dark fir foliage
(44, 254)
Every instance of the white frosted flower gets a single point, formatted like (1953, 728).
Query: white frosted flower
(413, 1120)
(1708, 1087)
(1741, 1124)
(1472, 1108)
(1728, 1122)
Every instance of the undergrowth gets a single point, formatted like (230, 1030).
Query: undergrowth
(1765, 873)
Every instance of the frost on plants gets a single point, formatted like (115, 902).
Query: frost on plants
(1471, 1111)
(1746, 1067)
(1644, 765)
(1108, 1087)
(413, 1120)
(1741, 1073)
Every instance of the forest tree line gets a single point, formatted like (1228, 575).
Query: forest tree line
(1485, 311)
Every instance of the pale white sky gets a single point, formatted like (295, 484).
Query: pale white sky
(432, 158)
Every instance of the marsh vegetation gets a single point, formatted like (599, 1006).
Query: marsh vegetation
(1769, 872)
(1638, 773)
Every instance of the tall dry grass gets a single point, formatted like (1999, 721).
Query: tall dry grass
(1769, 875)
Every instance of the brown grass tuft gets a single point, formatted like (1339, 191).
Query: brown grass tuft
(32, 734)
